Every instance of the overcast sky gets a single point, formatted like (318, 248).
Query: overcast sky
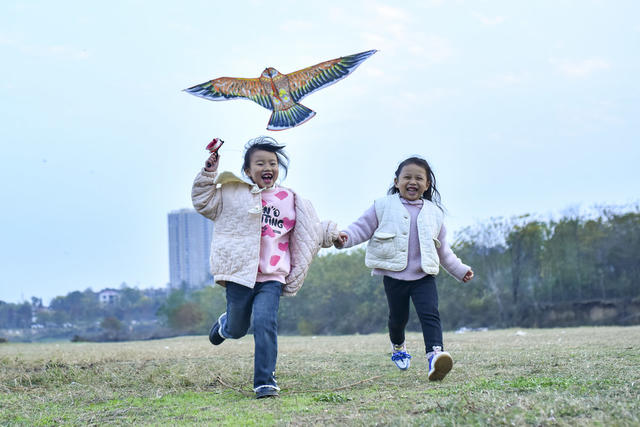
(520, 106)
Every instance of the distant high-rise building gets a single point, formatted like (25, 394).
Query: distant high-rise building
(189, 248)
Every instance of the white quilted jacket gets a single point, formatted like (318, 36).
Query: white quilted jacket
(236, 209)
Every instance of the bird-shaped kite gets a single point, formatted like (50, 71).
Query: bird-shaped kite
(282, 92)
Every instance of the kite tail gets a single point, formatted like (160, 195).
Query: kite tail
(293, 116)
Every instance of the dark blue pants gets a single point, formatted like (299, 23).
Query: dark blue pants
(424, 295)
(262, 303)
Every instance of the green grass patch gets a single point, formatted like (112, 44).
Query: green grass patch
(579, 376)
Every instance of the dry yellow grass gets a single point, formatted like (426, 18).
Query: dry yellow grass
(553, 376)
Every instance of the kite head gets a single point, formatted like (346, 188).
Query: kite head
(215, 145)
(270, 73)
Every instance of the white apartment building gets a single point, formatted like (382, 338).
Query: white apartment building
(189, 248)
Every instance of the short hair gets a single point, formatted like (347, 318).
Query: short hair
(265, 143)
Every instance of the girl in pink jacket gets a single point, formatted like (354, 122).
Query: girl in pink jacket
(264, 239)
(407, 245)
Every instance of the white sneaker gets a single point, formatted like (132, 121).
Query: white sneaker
(400, 357)
(439, 363)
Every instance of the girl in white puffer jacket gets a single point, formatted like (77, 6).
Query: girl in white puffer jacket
(264, 239)
(407, 245)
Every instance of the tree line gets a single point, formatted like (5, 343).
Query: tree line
(529, 272)
(81, 314)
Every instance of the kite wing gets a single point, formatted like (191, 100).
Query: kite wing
(311, 79)
(225, 88)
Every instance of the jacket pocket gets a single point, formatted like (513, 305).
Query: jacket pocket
(383, 245)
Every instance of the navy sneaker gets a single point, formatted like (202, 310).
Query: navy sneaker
(400, 357)
(214, 334)
(439, 363)
(266, 392)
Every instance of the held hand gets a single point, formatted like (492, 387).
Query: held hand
(211, 165)
(468, 276)
(341, 240)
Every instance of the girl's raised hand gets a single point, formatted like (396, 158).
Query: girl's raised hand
(211, 165)
(468, 276)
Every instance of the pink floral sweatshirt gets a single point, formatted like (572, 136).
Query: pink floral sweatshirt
(234, 206)
(278, 219)
(363, 229)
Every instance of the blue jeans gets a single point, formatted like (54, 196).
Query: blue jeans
(424, 294)
(262, 303)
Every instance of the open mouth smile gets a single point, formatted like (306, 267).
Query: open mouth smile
(267, 177)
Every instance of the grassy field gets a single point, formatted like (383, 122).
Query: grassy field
(573, 376)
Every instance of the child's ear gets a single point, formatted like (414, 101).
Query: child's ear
(395, 183)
